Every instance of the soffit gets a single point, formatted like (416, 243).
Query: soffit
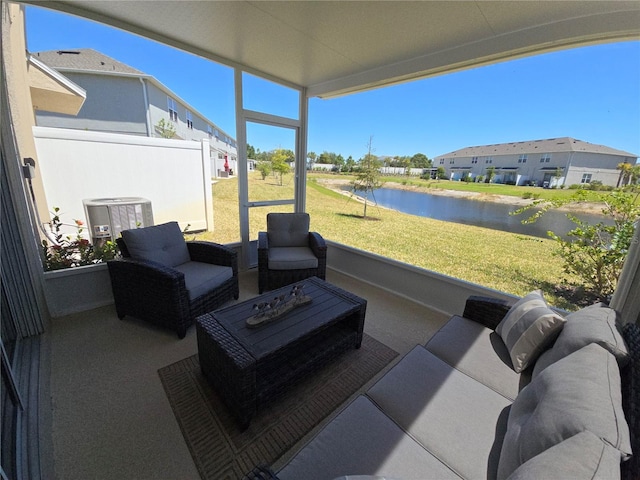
(53, 92)
(335, 48)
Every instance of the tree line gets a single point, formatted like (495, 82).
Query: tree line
(341, 164)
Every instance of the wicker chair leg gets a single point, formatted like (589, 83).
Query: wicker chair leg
(182, 332)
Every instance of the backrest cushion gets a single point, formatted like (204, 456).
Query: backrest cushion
(594, 324)
(288, 229)
(581, 457)
(579, 392)
(528, 328)
(160, 243)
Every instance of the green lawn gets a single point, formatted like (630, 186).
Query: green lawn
(504, 261)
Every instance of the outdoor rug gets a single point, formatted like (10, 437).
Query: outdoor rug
(221, 450)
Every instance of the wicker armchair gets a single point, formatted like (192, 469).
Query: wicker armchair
(288, 252)
(169, 282)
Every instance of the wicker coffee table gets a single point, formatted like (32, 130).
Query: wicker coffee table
(249, 367)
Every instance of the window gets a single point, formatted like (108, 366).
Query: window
(546, 158)
(189, 120)
(488, 160)
(220, 156)
(173, 109)
(586, 178)
(210, 131)
(522, 159)
(474, 160)
(442, 161)
(451, 161)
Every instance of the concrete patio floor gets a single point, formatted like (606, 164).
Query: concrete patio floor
(110, 417)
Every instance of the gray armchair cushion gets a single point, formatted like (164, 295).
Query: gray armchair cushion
(528, 328)
(288, 229)
(160, 243)
(291, 258)
(593, 324)
(201, 278)
(581, 457)
(579, 392)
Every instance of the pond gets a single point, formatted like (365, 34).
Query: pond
(473, 212)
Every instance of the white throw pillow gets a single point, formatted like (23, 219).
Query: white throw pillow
(528, 328)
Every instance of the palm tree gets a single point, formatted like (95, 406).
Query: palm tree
(625, 173)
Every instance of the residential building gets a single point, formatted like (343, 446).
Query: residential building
(122, 99)
(552, 162)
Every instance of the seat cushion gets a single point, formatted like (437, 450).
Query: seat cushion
(160, 243)
(581, 457)
(478, 352)
(528, 328)
(594, 324)
(291, 258)
(201, 278)
(581, 392)
(361, 440)
(457, 419)
(288, 229)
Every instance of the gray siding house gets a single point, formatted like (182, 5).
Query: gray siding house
(121, 99)
(551, 162)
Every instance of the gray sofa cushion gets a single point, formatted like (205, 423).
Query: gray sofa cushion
(528, 328)
(579, 392)
(288, 229)
(201, 278)
(361, 440)
(478, 352)
(457, 419)
(593, 324)
(581, 457)
(160, 243)
(291, 258)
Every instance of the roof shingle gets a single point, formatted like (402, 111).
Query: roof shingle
(83, 59)
(551, 145)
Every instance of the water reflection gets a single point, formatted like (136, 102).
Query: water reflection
(472, 212)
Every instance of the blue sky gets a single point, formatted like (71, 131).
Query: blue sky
(589, 93)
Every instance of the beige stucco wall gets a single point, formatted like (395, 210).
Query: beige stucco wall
(14, 59)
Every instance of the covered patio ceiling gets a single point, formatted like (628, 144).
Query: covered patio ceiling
(334, 48)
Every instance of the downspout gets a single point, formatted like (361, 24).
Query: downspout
(566, 170)
(146, 106)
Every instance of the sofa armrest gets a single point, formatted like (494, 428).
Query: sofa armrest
(263, 249)
(488, 311)
(317, 244)
(213, 253)
(141, 286)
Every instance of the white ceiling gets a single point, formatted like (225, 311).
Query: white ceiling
(340, 47)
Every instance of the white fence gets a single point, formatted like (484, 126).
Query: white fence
(175, 175)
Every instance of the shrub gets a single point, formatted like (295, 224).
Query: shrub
(68, 251)
(595, 253)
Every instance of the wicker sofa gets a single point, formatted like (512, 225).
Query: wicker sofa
(456, 407)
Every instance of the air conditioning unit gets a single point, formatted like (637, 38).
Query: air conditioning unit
(107, 217)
